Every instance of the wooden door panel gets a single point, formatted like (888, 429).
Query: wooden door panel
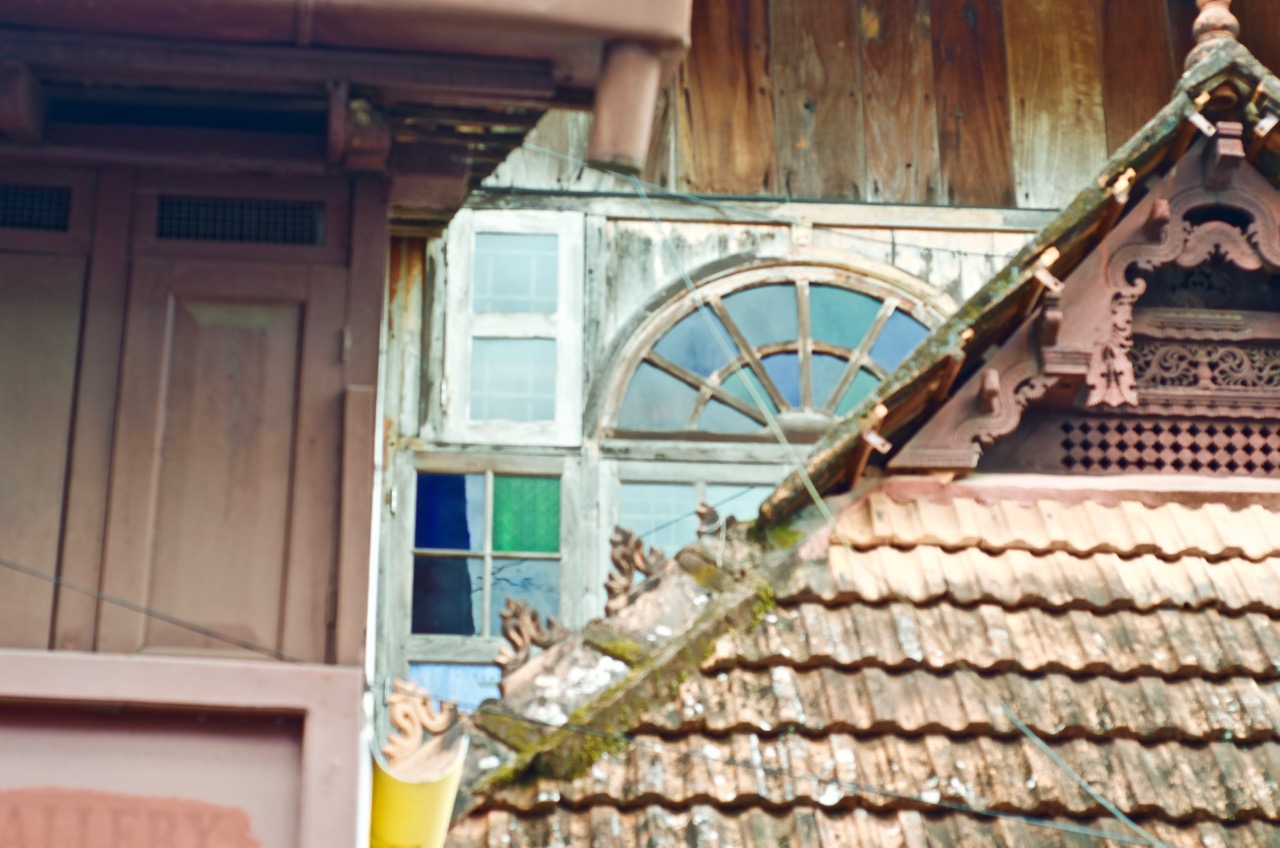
(221, 417)
(40, 306)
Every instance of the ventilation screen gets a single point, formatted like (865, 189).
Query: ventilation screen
(1147, 445)
(243, 220)
(25, 207)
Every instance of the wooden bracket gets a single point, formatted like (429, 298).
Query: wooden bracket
(1050, 319)
(22, 104)
(1119, 192)
(989, 391)
(1224, 155)
(359, 136)
(1158, 219)
(1261, 130)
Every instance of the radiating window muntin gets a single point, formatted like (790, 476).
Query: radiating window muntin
(812, 350)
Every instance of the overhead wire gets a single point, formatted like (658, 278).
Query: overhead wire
(149, 612)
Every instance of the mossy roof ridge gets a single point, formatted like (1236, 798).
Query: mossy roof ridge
(1143, 152)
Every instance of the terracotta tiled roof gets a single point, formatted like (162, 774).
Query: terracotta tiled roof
(1140, 643)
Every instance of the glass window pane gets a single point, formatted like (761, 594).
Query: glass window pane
(692, 344)
(656, 401)
(467, 685)
(450, 512)
(514, 272)
(839, 316)
(863, 385)
(526, 514)
(661, 513)
(766, 314)
(826, 372)
(448, 595)
(736, 385)
(721, 418)
(900, 336)
(784, 370)
(513, 379)
(742, 502)
(534, 581)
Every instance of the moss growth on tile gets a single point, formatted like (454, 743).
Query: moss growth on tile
(618, 647)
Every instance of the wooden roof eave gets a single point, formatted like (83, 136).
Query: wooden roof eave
(1071, 234)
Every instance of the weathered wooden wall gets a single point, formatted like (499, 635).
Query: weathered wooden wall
(950, 102)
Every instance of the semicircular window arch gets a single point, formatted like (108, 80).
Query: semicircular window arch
(811, 345)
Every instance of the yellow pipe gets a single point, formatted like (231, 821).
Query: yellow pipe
(413, 808)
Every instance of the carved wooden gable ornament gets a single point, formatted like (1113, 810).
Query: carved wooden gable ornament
(1159, 351)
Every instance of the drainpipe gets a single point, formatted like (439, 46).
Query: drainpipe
(413, 800)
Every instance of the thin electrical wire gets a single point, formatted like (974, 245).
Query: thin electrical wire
(739, 211)
(830, 519)
(842, 785)
(149, 612)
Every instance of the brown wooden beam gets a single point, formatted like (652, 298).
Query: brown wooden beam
(21, 104)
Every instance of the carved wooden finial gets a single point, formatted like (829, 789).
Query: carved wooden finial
(1214, 23)
(629, 559)
(523, 628)
(414, 716)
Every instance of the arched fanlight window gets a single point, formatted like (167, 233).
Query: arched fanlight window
(813, 342)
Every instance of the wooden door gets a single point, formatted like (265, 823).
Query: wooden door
(40, 306)
(225, 477)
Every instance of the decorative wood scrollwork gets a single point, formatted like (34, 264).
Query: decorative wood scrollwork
(629, 558)
(709, 521)
(523, 628)
(1206, 366)
(414, 717)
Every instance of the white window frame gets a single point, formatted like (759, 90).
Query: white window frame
(464, 324)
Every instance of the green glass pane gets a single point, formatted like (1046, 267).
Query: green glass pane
(526, 514)
(839, 316)
(826, 372)
(721, 418)
(656, 401)
(863, 384)
(736, 385)
(766, 314)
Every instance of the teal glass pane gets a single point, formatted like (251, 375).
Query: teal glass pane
(656, 401)
(514, 272)
(448, 595)
(826, 371)
(721, 418)
(765, 315)
(900, 336)
(526, 514)
(466, 685)
(692, 343)
(513, 379)
(839, 316)
(661, 513)
(863, 385)
(536, 582)
(736, 385)
(784, 370)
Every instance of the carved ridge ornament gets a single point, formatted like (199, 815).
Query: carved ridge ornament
(414, 717)
(629, 558)
(523, 628)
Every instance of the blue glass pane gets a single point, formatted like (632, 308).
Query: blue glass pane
(450, 512)
(736, 385)
(513, 379)
(826, 372)
(661, 513)
(692, 344)
(900, 336)
(862, 386)
(467, 685)
(765, 315)
(448, 595)
(514, 272)
(656, 401)
(742, 502)
(784, 370)
(839, 316)
(534, 581)
(720, 418)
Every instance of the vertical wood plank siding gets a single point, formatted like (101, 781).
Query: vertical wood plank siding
(1137, 65)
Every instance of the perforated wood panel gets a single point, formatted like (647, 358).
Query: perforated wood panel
(1168, 445)
(30, 207)
(243, 220)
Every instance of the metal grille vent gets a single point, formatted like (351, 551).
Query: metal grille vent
(1170, 445)
(27, 207)
(244, 220)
